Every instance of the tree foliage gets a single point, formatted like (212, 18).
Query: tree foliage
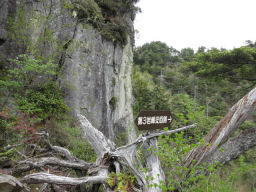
(197, 87)
(153, 57)
(235, 65)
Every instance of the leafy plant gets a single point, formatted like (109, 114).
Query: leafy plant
(235, 65)
(31, 82)
(89, 10)
(172, 150)
(121, 182)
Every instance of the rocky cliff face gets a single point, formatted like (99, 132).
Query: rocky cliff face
(94, 73)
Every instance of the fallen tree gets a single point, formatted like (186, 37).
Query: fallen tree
(118, 159)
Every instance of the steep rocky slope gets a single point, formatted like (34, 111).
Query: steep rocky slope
(94, 69)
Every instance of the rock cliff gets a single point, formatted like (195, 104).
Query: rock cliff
(94, 71)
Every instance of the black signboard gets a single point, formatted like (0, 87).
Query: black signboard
(149, 120)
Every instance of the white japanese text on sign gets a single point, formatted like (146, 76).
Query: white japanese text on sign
(148, 120)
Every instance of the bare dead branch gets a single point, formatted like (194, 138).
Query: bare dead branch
(95, 138)
(37, 163)
(11, 146)
(152, 135)
(128, 154)
(106, 150)
(143, 138)
(60, 150)
(41, 177)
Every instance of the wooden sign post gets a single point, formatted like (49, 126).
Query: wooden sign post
(150, 120)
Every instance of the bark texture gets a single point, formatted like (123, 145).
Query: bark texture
(61, 180)
(234, 147)
(223, 130)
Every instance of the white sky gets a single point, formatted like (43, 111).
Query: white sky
(193, 23)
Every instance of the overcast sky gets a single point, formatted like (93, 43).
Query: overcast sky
(193, 23)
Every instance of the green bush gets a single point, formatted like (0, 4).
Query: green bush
(121, 182)
(219, 178)
(88, 10)
(106, 16)
(31, 81)
(117, 33)
(47, 100)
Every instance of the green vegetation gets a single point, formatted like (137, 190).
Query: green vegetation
(66, 133)
(153, 57)
(7, 153)
(235, 65)
(151, 96)
(107, 16)
(113, 102)
(121, 182)
(186, 72)
(32, 84)
(197, 87)
(228, 178)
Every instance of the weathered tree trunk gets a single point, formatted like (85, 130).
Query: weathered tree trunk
(153, 166)
(222, 131)
(234, 147)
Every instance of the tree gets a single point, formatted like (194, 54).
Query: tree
(148, 95)
(174, 55)
(201, 49)
(187, 54)
(235, 65)
(250, 43)
(31, 83)
(152, 57)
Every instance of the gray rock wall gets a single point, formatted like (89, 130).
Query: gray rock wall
(95, 74)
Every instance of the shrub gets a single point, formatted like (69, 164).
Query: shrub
(43, 102)
(172, 150)
(31, 82)
(88, 10)
(106, 16)
(121, 182)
